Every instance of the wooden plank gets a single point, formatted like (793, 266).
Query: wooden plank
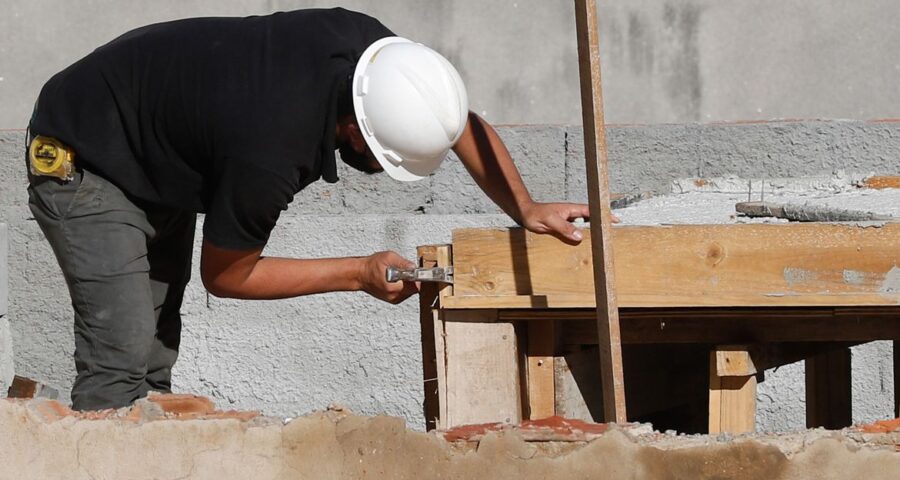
(686, 301)
(684, 266)
(432, 332)
(541, 386)
(734, 361)
(732, 401)
(598, 198)
(828, 390)
(482, 369)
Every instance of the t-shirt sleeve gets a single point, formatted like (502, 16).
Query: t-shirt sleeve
(245, 207)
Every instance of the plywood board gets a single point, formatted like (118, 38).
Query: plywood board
(684, 266)
(482, 370)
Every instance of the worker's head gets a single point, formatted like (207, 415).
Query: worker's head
(410, 107)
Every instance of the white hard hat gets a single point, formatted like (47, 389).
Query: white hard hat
(411, 106)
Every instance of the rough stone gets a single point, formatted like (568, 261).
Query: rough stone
(340, 445)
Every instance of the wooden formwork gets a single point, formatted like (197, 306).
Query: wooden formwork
(750, 296)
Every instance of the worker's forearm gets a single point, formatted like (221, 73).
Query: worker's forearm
(274, 277)
(489, 163)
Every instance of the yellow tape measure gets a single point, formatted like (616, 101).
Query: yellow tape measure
(51, 158)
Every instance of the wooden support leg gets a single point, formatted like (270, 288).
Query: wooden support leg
(732, 390)
(828, 392)
(541, 385)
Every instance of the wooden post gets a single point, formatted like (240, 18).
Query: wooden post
(828, 390)
(732, 390)
(598, 198)
(433, 367)
(539, 372)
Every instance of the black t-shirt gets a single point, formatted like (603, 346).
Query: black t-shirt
(227, 116)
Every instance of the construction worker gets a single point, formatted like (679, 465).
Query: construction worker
(231, 117)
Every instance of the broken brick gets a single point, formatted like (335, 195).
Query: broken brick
(551, 429)
(183, 404)
(882, 426)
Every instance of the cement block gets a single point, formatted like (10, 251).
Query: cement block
(649, 157)
(539, 153)
(361, 193)
(641, 158)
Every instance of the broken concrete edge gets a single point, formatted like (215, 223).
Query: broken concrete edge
(157, 407)
(838, 182)
(154, 407)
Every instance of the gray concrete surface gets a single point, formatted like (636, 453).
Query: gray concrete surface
(663, 62)
(292, 356)
(7, 368)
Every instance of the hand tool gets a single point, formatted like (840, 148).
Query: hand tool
(51, 158)
(438, 274)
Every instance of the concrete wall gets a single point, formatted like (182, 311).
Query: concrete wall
(6, 353)
(291, 356)
(664, 61)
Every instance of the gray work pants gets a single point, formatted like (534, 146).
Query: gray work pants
(126, 265)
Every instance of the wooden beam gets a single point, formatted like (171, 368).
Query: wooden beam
(683, 266)
(732, 399)
(482, 369)
(433, 374)
(539, 365)
(828, 390)
(598, 198)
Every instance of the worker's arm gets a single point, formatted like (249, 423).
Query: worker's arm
(249, 275)
(488, 161)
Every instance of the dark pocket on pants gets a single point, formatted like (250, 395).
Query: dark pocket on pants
(53, 196)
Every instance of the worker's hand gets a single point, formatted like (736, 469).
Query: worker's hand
(372, 277)
(556, 219)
